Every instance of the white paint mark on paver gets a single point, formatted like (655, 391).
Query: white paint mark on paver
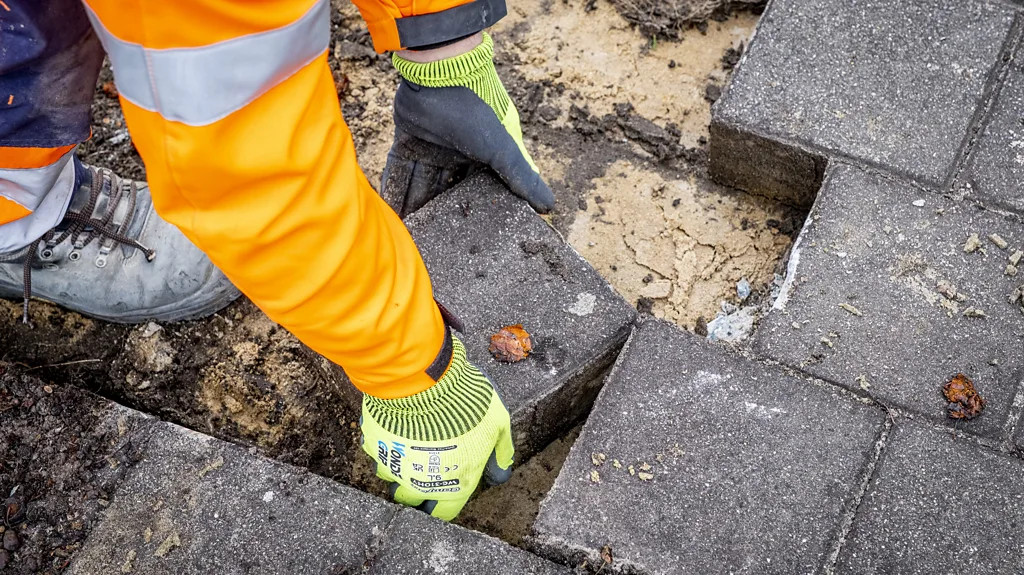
(441, 556)
(268, 496)
(584, 306)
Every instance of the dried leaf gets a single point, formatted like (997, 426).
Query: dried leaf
(109, 89)
(512, 343)
(964, 400)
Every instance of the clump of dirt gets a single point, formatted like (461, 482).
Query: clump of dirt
(61, 460)
(668, 18)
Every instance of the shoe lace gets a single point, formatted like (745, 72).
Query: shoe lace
(82, 228)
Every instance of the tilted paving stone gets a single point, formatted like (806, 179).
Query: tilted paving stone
(416, 543)
(495, 262)
(996, 168)
(890, 252)
(938, 504)
(890, 83)
(198, 505)
(707, 463)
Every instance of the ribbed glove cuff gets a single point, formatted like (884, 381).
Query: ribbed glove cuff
(452, 407)
(473, 70)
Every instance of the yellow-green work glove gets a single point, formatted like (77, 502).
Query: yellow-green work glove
(459, 104)
(435, 446)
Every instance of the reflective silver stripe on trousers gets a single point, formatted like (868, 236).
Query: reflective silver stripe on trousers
(199, 86)
(46, 191)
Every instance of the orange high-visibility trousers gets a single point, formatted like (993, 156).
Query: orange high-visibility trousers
(234, 111)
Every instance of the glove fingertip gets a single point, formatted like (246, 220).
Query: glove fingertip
(495, 474)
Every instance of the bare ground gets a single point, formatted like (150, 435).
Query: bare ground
(618, 124)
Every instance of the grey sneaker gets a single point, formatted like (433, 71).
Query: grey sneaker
(114, 259)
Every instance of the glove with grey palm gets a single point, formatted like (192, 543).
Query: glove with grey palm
(451, 116)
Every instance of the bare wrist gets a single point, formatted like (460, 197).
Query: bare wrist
(449, 51)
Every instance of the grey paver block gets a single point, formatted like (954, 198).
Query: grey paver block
(997, 163)
(416, 543)
(198, 505)
(750, 468)
(867, 245)
(891, 83)
(494, 262)
(938, 505)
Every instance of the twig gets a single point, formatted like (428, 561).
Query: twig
(64, 363)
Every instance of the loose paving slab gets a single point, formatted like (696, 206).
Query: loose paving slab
(894, 84)
(696, 460)
(417, 543)
(938, 504)
(198, 505)
(996, 168)
(495, 262)
(880, 294)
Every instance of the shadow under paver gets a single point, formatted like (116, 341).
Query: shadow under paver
(495, 262)
(696, 460)
(868, 246)
(938, 504)
(996, 169)
(417, 543)
(198, 505)
(894, 84)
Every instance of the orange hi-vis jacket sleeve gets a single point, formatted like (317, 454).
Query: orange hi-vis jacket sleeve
(234, 111)
(400, 24)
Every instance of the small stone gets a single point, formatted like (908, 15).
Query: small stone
(598, 458)
(851, 309)
(998, 241)
(147, 535)
(48, 389)
(1016, 257)
(644, 476)
(5, 558)
(11, 540)
(1011, 270)
(595, 477)
(743, 289)
(796, 325)
(631, 470)
(972, 244)
(151, 329)
(918, 203)
(863, 381)
(616, 464)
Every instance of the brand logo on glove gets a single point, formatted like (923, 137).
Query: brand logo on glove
(397, 453)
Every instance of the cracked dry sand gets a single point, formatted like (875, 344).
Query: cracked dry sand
(683, 243)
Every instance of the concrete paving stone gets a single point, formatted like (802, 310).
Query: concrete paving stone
(889, 252)
(697, 460)
(895, 84)
(198, 505)
(938, 504)
(416, 543)
(996, 168)
(495, 262)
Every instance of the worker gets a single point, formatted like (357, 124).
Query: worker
(235, 114)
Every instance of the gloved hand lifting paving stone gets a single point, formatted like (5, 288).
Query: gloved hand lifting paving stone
(434, 446)
(451, 116)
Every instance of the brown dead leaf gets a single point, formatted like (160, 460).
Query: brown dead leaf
(964, 400)
(109, 89)
(512, 343)
(606, 554)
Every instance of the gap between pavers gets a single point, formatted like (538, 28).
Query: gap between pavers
(697, 460)
(939, 503)
(896, 85)
(894, 256)
(996, 166)
(495, 262)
